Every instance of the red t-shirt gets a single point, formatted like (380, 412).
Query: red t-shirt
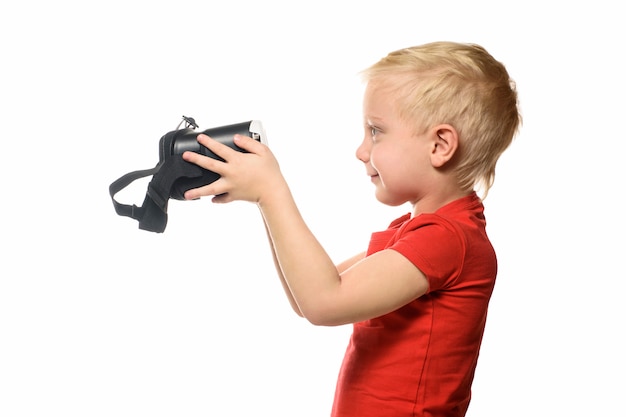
(420, 359)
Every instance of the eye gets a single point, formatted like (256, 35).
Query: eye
(373, 131)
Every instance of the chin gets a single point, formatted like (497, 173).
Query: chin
(389, 201)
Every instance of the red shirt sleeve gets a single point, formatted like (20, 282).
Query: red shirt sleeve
(435, 246)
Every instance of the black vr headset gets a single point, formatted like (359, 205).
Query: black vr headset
(172, 176)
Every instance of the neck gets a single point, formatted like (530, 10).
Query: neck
(432, 203)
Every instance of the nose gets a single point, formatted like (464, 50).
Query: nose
(363, 151)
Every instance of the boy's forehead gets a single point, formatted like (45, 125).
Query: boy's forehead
(376, 85)
(376, 91)
(378, 100)
(383, 103)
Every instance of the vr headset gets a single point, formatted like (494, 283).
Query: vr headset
(172, 176)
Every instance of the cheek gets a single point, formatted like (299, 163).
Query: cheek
(396, 167)
(385, 160)
(378, 157)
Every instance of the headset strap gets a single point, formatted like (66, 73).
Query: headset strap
(152, 215)
(123, 182)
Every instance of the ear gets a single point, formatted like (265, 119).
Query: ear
(445, 144)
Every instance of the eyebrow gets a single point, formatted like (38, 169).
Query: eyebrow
(373, 120)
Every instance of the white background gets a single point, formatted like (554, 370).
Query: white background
(99, 318)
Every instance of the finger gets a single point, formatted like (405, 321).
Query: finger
(248, 144)
(215, 188)
(210, 164)
(222, 198)
(223, 151)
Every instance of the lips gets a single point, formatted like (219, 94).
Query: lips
(371, 172)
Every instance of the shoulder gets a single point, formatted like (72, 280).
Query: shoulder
(441, 246)
(432, 238)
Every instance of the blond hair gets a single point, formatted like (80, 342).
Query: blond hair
(461, 85)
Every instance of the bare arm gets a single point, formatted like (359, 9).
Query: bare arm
(349, 262)
(279, 271)
(358, 289)
(294, 305)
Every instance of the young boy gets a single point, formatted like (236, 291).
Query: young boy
(436, 119)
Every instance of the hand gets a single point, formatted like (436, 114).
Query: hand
(244, 176)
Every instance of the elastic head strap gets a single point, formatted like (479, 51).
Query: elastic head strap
(123, 182)
(152, 215)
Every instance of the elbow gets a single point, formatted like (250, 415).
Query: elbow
(323, 311)
(322, 318)
(321, 323)
(314, 319)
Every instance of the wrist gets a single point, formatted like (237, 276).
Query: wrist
(277, 200)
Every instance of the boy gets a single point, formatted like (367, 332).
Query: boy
(436, 119)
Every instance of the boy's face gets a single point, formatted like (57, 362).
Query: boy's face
(395, 157)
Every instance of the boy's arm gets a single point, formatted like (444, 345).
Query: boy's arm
(341, 267)
(324, 294)
(288, 293)
(360, 289)
(294, 305)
